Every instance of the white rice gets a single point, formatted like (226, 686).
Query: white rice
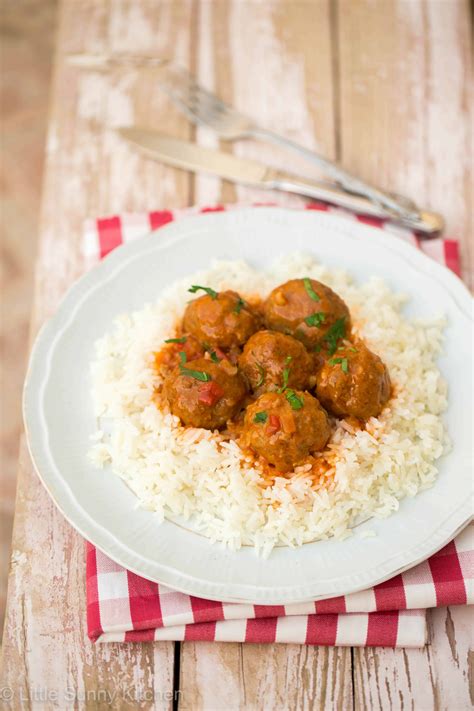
(192, 473)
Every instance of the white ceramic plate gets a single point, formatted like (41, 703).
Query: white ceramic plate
(59, 419)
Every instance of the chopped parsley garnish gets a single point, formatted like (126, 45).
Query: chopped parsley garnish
(183, 357)
(261, 416)
(196, 374)
(207, 289)
(315, 319)
(317, 348)
(337, 331)
(286, 375)
(342, 361)
(309, 289)
(261, 378)
(295, 401)
(177, 340)
(239, 305)
(214, 357)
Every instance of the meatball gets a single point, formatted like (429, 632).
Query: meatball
(353, 381)
(305, 309)
(169, 356)
(205, 394)
(221, 319)
(281, 434)
(271, 359)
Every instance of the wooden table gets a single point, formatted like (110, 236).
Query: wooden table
(384, 88)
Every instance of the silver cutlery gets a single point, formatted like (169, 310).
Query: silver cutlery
(205, 108)
(202, 107)
(189, 156)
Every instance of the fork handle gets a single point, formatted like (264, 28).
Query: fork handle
(428, 223)
(347, 181)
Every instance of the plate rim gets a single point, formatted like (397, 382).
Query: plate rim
(104, 271)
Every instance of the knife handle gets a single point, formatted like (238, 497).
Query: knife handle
(428, 223)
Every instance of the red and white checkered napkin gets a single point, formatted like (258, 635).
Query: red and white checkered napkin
(124, 607)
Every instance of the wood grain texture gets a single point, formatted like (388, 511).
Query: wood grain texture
(405, 84)
(452, 657)
(27, 43)
(294, 47)
(341, 77)
(251, 677)
(45, 642)
(88, 172)
(435, 677)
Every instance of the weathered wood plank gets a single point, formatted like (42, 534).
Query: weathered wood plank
(27, 46)
(452, 657)
(406, 106)
(404, 87)
(393, 679)
(262, 676)
(47, 655)
(88, 172)
(435, 677)
(449, 91)
(284, 80)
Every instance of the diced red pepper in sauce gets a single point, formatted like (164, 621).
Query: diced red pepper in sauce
(210, 393)
(274, 425)
(168, 356)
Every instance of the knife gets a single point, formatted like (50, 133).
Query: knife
(189, 156)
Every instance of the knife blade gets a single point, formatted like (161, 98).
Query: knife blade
(189, 156)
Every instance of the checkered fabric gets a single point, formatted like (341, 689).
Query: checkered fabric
(124, 607)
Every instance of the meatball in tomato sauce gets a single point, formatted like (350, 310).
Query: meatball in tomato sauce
(205, 394)
(285, 427)
(271, 360)
(353, 382)
(220, 319)
(170, 356)
(306, 310)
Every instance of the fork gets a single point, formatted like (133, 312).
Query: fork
(202, 107)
